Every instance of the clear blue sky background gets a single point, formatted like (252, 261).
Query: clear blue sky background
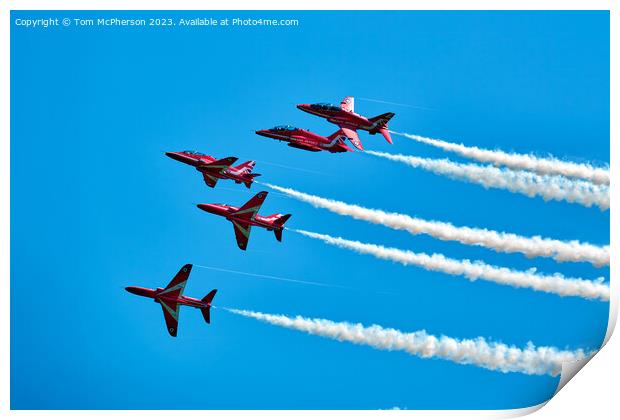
(96, 206)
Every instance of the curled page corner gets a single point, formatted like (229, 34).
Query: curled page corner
(613, 314)
(570, 369)
(518, 412)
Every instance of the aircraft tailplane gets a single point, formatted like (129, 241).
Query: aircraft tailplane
(206, 312)
(386, 134)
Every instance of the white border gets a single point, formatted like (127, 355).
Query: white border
(596, 384)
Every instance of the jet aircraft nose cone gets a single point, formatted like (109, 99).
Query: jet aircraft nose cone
(133, 289)
(140, 291)
(261, 132)
(216, 209)
(178, 156)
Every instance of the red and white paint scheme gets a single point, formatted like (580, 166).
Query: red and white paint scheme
(246, 216)
(213, 169)
(307, 140)
(171, 298)
(344, 116)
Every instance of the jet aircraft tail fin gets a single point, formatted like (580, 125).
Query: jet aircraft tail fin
(246, 167)
(339, 134)
(380, 123)
(206, 312)
(280, 221)
(348, 104)
(279, 226)
(337, 141)
(382, 120)
(251, 177)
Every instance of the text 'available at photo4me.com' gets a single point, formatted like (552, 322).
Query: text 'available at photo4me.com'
(189, 22)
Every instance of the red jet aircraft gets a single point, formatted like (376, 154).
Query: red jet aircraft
(345, 117)
(246, 216)
(213, 169)
(171, 298)
(307, 140)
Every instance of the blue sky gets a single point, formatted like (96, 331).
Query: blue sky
(96, 206)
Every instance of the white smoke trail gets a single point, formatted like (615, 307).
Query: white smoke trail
(288, 280)
(393, 103)
(474, 270)
(528, 183)
(542, 166)
(269, 277)
(494, 356)
(294, 168)
(498, 241)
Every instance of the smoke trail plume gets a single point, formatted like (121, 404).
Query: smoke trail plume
(498, 241)
(286, 279)
(494, 356)
(542, 166)
(269, 277)
(393, 103)
(474, 270)
(528, 183)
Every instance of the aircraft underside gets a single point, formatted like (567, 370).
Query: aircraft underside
(305, 147)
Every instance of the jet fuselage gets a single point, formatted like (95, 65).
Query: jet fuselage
(227, 211)
(339, 116)
(214, 168)
(307, 140)
(152, 293)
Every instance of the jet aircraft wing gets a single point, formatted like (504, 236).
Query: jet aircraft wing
(177, 284)
(218, 166)
(167, 298)
(250, 209)
(171, 314)
(352, 135)
(242, 233)
(210, 180)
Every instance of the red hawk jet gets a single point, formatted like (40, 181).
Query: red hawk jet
(171, 298)
(213, 169)
(345, 117)
(246, 216)
(307, 140)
